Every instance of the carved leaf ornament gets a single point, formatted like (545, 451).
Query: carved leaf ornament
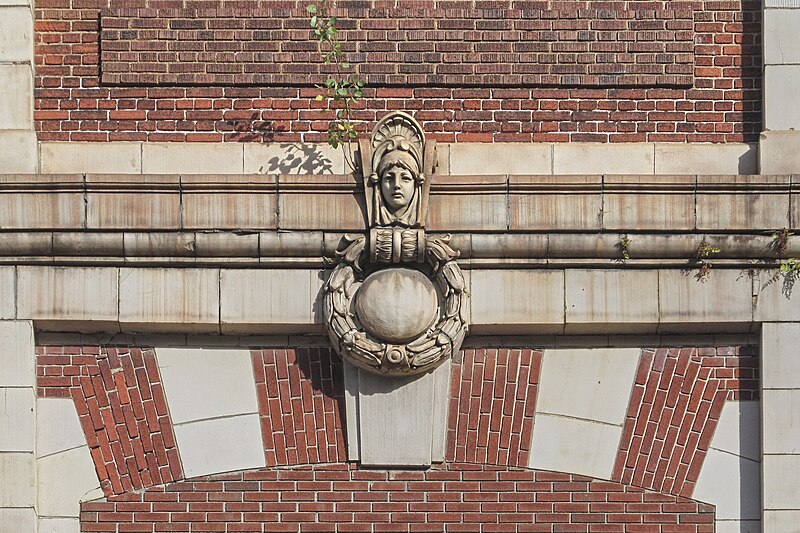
(396, 302)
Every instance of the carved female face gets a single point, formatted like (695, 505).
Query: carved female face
(397, 187)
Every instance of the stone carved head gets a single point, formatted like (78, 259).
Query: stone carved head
(397, 179)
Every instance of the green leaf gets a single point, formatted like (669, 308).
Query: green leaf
(311, 9)
(319, 98)
(341, 92)
(345, 65)
(314, 21)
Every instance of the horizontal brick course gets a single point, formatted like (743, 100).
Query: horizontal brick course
(495, 499)
(626, 44)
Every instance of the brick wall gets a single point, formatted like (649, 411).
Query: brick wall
(75, 103)
(453, 497)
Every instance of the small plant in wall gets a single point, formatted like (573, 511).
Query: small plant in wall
(780, 241)
(622, 247)
(341, 91)
(704, 251)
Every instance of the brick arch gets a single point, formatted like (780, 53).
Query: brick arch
(341, 497)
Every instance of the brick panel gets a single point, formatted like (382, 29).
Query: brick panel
(722, 105)
(301, 405)
(492, 403)
(452, 497)
(622, 44)
(122, 409)
(674, 409)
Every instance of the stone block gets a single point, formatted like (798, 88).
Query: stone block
(203, 383)
(350, 375)
(780, 36)
(18, 521)
(648, 203)
(16, 419)
(739, 430)
(8, 293)
(574, 446)
(321, 202)
(227, 244)
(780, 358)
(270, 301)
(17, 354)
(781, 421)
(169, 299)
(220, 445)
(56, 497)
(781, 482)
(16, 35)
(18, 150)
(392, 411)
(57, 426)
(603, 158)
(59, 525)
(32, 209)
(468, 203)
(781, 521)
(229, 202)
(611, 301)
(501, 158)
(732, 484)
(116, 201)
(17, 480)
(517, 301)
(742, 202)
(723, 302)
(548, 202)
(777, 154)
(293, 158)
(16, 94)
(696, 158)
(776, 298)
(192, 158)
(781, 87)
(593, 384)
(81, 297)
(736, 526)
(96, 158)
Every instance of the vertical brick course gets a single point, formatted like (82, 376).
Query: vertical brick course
(121, 406)
(674, 409)
(492, 402)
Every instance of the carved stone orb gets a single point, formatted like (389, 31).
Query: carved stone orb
(396, 305)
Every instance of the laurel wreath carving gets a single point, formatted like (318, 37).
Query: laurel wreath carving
(423, 353)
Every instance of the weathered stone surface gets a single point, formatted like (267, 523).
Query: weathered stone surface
(781, 431)
(603, 158)
(460, 202)
(262, 301)
(192, 158)
(207, 383)
(781, 521)
(575, 446)
(517, 301)
(719, 206)
(781, 482)
(590, 384)
(87, 297)
(686, 303)
(58, 428)
(220, 445)
(396, 304)
(16, 35)
(238, 202)
(16, 419)
(161, 299)
(730, 483)
(293, 158)
(17, 480)
(17, 354)
(780, 36)
(95, 158)
(18, 150)
(43, 209)
(57, 498)
(780, 353)
(781, 87)
(18, 521)
(739, 429)
(303, 205)
(116, 201)
(603, 301)
(16, 93)
(696, 158)
(59, 525)
(648, 203)
(500, 158)
(547, 202)
(776, 154)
